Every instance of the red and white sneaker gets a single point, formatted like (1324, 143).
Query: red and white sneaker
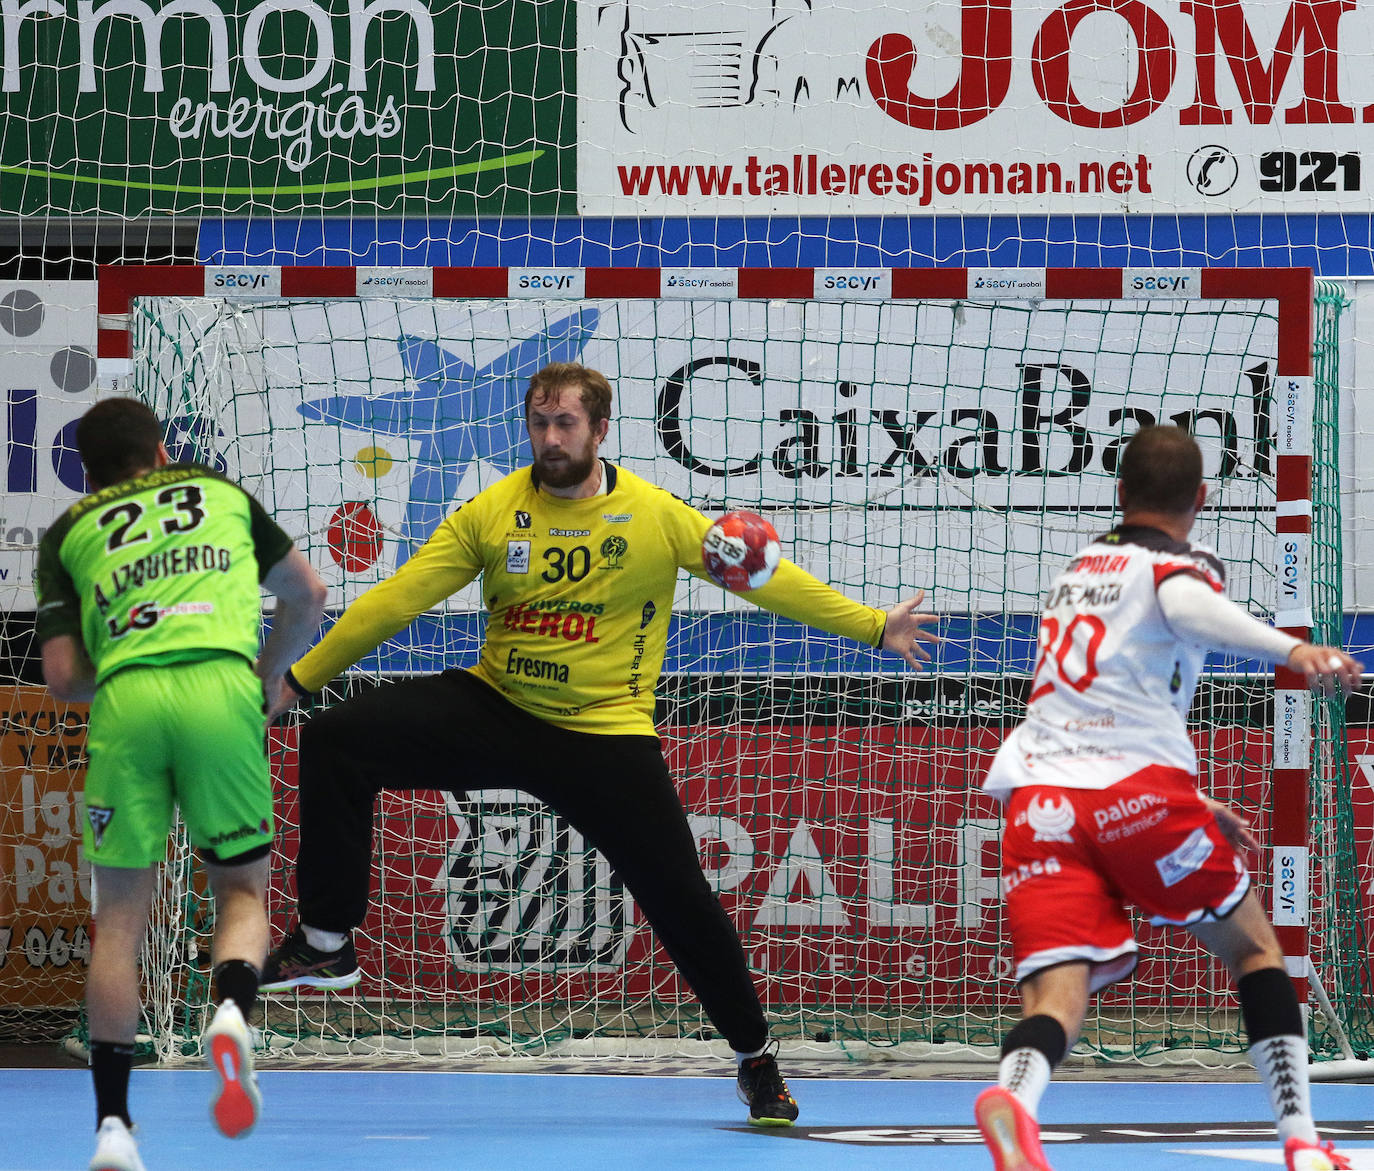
(1009, 1131)
(228, 1047)
(1299, 1155)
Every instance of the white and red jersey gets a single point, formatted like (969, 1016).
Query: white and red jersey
(1113, 682)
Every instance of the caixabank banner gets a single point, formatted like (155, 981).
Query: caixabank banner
(974, 107)
(867, 430)
(286, 107)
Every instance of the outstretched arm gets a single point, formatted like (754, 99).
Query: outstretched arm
(1195, 611)
(905, 630)
(794, 593)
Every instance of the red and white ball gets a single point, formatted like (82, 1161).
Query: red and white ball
(740, 551)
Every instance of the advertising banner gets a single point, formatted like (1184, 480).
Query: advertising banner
(973, 107)
(48, 333)
(45, 890)
(860, 864)
(866, 430)
(287, 107)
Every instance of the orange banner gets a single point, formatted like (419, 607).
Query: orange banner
(45, 885)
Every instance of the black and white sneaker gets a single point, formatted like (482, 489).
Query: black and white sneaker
(295, 964)
(762, 1088)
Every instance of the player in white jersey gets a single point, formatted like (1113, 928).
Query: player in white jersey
(1099, 785)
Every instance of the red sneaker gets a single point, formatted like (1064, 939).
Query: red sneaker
(1300, 1155)
(228, 1048)
(1011, 1134)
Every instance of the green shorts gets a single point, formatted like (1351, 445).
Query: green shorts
(183, 734)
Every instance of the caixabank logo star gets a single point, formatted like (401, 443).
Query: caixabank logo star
(455, 415)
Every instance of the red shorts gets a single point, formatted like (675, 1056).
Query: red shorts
(1073, 859)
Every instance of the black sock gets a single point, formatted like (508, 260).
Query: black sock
(1040, 1032)
(111, 1064)
(237, 980)
(1269, 1006)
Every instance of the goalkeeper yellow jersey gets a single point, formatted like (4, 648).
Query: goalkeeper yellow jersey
(578, 593)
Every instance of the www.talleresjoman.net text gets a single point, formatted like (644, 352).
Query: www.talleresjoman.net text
(808, 174)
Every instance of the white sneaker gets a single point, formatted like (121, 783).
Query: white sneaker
(228, 1047)
(115, 1149)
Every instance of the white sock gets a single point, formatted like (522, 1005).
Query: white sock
(741, 1058)
(1282, 1063)
(1024, 1073)
(324, 940)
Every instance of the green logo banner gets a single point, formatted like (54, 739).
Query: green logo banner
(288, 107)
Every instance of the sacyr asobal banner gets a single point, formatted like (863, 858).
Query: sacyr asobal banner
(285, 107)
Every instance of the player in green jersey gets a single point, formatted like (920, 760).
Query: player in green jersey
(149, 607)
(579, 561)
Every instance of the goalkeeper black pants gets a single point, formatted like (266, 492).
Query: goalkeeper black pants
(452, 732)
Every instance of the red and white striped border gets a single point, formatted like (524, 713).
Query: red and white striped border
(1291, 287)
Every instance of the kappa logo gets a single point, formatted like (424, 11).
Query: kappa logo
(100, 819)
(1051, 820)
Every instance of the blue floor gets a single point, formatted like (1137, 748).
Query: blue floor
(426, 1121)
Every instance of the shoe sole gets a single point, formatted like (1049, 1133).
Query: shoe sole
(328, 983)
(770, 1121)
(998, 1122)
(235, 1107)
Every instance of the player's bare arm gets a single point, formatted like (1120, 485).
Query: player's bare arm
(905, 630)
(300, 604)
(68, 670)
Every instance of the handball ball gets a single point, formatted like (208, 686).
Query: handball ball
(740, 551)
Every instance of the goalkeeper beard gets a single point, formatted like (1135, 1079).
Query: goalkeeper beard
(565, 469)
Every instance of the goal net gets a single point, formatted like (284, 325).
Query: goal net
(952, 431)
